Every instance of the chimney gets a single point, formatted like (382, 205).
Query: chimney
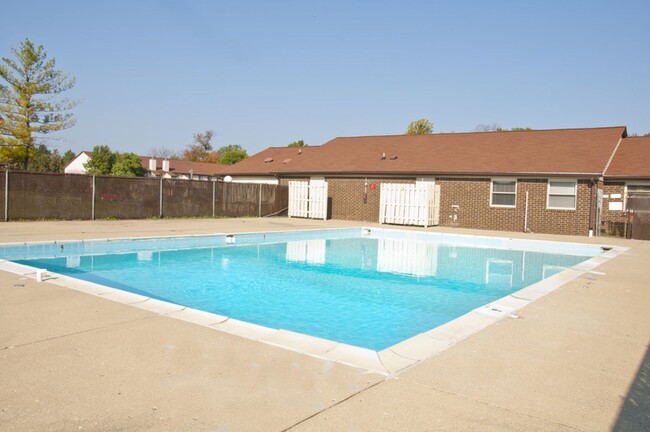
(166, 165)
(152, 164)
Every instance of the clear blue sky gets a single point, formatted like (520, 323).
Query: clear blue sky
(265, 73)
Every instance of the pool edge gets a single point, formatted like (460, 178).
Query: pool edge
(389, 361)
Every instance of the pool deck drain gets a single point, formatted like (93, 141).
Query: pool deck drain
(78, 361)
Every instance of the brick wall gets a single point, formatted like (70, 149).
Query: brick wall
(613, 220)
(347, 195)
(472, 196)
(348, 198)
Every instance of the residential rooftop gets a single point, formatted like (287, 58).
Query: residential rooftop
(632, 159)
(583, 151)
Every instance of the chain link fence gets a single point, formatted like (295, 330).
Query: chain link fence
(33, 196)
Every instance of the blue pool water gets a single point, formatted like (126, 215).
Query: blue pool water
(371, 291)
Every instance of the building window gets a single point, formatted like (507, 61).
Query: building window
(562, 194)
(503, 193)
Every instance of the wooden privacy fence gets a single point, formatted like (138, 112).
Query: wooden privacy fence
(409, 204)
(308, 199)
(29, 196)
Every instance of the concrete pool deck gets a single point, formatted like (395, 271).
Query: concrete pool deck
(577, 359)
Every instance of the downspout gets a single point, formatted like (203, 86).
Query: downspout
(526, 214)
(591, 207)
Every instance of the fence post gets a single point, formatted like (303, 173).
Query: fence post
(7, 195)
(259, 210)
(214, 187)
(94, 194)
(161, 197)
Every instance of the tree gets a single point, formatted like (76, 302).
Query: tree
(521, 129)
(201, 150)
(228, 148)
(101, 161)
(51, 161)
(164, 153)
(233, 156)
(300, 143)
(495, 127)
(492, 127)
(127, 165)
(27, 106)
(67, 158)
(419, 127)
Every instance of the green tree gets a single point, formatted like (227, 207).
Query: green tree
(299, 143)
(28, 109)
(127, 165)
(419, 127)
(201, 150)
(101, 161)
(67, 158)
(233, 156)
(228, 148)
(46, 160)
(41, 159)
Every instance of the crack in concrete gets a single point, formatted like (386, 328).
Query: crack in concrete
(76, 333)
(332, 406)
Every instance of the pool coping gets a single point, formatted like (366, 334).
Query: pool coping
(389, 362)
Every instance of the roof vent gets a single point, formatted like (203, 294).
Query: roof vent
(286, 161)
(268, 160)
(383, 156)
(393, 157)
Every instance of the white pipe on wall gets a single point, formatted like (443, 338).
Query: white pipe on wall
(526, 214)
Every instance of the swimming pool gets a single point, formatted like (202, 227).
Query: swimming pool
(369, 288)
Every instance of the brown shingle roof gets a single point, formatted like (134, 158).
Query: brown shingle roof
(632, 159)
(548, 152)
(280, 158)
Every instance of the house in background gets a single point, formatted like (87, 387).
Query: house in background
(182, 169)
(159, 167)
(545, 181)
(77, 165)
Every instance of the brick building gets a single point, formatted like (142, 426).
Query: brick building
(547, 181)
